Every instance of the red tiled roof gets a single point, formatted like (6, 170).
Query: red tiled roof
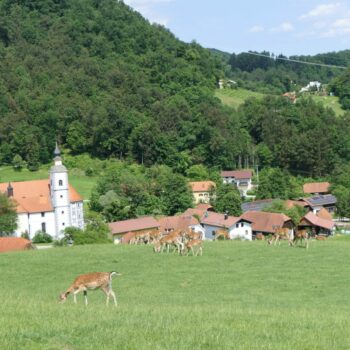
(324, 214)
(202, 186)
(216, 219)
(264, 221)
(317, 221)
(238, 174)
(8, 244)
(180, 222)
(139, 224)
(34, 196)
(316, 187)
(203, 206)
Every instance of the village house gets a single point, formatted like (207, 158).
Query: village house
(46, 205)
(242, 179)
(266, 223)
(202, 191)
(180, 222)
(316, 203)
(237, 227)
(316, 224)
(316, 188)
(122, 231)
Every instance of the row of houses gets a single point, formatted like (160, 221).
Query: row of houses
(202, 219)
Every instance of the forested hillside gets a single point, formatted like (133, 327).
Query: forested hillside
(102, 80)
(274, 74)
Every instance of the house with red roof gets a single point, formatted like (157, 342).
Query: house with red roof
(266, 223)
(237, 227)
(316, 224)
(316, 188)
(48, 205)
(202, 191)
(242, 179)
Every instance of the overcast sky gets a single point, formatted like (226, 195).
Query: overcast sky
(288, 27)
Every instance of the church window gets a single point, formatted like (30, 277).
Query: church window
(61, 196)
(42, 215)
(63, 223)
(60, 183)
(62, 212)
(43, 227)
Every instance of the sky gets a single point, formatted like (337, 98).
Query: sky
(298, 27)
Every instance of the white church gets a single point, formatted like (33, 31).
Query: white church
(46, 205)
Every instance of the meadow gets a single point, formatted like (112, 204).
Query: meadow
(238, 295)
(236, 97)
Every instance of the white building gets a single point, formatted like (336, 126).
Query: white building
(242, 179)
(237, 227)
(46, 205)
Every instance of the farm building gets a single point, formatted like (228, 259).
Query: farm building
(237, 227)
(242, 179)
(267, 223)
(202, 191)
(316, 188)
(9, 244)
(316, 203)
(46, 205)
(120, 228)
(316, 225)
(180, 222)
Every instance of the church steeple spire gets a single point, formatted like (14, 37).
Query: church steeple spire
(57, 152)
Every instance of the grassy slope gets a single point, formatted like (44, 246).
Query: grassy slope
(234, 98)
(238, 295)
(83, 184)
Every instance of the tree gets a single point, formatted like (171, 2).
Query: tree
(8, 215)
(18, 163)
(227, 200)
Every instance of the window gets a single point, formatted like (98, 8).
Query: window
(242, 224)
(246, 232)
(62, 212)
(42, 215)
(60, 183)
(63, 224)
(43, 227)
(237, 225)
(61, 196)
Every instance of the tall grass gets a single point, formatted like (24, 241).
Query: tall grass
(238, 295)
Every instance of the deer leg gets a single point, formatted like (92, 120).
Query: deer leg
(85, 295)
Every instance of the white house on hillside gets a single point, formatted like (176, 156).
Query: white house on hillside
(241, 178)
(46, 205)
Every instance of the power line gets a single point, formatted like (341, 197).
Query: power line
(296, 61)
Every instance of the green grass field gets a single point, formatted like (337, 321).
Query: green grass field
(238, 295)
(235, 98)
(83, 184)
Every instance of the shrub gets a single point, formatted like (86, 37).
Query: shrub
(42, 237)
(25, 235)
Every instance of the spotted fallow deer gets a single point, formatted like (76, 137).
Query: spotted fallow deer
(300, 236)
(280, 233)
(91, 281)
(195, 243)
(173, 238)
(221, 233)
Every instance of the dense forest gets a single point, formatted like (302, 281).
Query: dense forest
(100, 79)
(270, 73)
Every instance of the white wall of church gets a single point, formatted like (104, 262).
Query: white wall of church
(32, 223)
(77, 214)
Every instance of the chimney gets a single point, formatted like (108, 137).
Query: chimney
(9, 190)
(225, 215)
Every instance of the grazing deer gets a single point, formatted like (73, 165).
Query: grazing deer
(280, 233)
(91, 281)
(221, 233)
(260, 237)
(191, 235)
(173, 238)
(194, 243)
(300, 236)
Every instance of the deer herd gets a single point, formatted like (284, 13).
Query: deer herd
(180, 241)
